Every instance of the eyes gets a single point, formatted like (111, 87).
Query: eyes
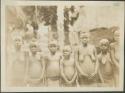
(66, 51)
(34, 46)
(84, 37)
(52, 46)
(104, 45)
(17, 40)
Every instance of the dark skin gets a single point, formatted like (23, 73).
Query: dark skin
(105, 49)
(66, 55)
(84, 39)
(34, 50)
(112, 49)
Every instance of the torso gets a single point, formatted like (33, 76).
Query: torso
(85, 59)
(69, 68)
(19, 65)
(52, 66)
(106, 68)
(35, 67)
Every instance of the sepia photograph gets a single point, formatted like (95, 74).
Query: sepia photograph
(62, 46)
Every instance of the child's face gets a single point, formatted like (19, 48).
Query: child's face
(84, 39)
(53, 48)
(18, 42)
(104, 46)
(33, 48)
(66, 51)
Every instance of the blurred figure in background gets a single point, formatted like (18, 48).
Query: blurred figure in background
(115, 54)
(17, 63)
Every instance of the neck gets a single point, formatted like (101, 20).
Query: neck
(104, 52)
(85, 45)
(53, 53)
(33, 53)
(67, 57)
(18, 48)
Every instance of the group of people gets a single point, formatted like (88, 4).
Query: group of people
(70, 67)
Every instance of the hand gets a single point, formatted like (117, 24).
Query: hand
(92, 57)
(66, 81)
(85, 75)
(70, 82)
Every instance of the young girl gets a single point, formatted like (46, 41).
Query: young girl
(17, 63)
(115, 55)
(68, 69)
(53, 65)
(35, 66)
(86, 61)
(106, 72)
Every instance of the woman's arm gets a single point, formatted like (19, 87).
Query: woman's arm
(112, 55)
(98, 72)
(96, 64)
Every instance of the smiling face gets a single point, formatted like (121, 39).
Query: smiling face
(53, 48)
(67, 50)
